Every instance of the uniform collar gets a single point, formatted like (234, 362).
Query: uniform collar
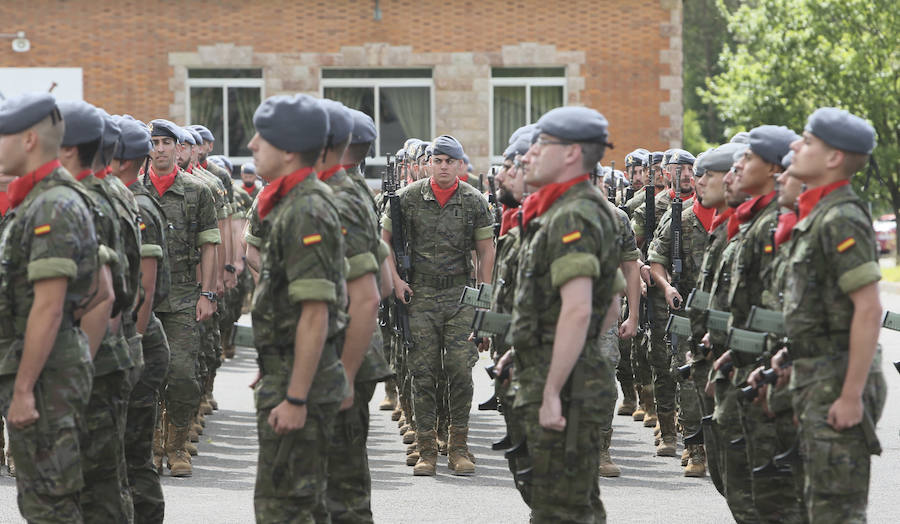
(19, 188)
(809, 198)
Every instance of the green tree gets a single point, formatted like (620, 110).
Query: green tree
(790, 57)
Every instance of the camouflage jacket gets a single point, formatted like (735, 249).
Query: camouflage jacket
(693, 246)
(635, 202)
(721, 284)
(223, 208)
(223, 176)
(627, 243)
(242, 201)
(49, 235)
(302, 260)
(638, 217)
(154, 229)
(131, 226)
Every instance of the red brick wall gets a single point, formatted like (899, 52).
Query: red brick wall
(123, 45)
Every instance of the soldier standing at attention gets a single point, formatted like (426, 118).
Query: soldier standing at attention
(50, 255)
(444, 221)
(191, 242)
(297, 323)
(832, 316)
(249, 180)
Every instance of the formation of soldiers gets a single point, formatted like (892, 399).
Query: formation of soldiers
(733, 295)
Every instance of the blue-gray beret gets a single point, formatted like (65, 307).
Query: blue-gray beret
(842, 130)
(526, 130)
(700, 163)
(788, 159)
(771, 143)
(292, 123)
(134, 141)
(363, 128)
(741, 138)
(654, 158)
(680, 156)
(248, 167)
(198, 140)
(739, 152)
(20, 112)
(400, 155)
(340, 121)
(447, 145)
(205, 134)
(423, 150)
(519, 147)
(575, 124)
(111, 129)
(163, 127)
(222, 161)
(83, 123)
(186, 137)
(636, 157)
(411, 146)
(721, 158)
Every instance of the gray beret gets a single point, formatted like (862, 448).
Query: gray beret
(83, 123)
(111, 129)
(739, 152)
(400, 155)
(411, 146)
(134, 141)
(340, 121)
(842, 130)
(576, 124)
(163, 127)
(654, 158)
(198, 139)
(186, 137)
(363, 128)
(787, 160)
(519, 147)
(526, 130)
(680, 156)
(222, 161)
(771, 143)
(741, 138)
(721, 158)
(636, 157)
(423, 149)
(292, 123)
(23, 111)
(205, 134)
(447, 145)
(700, 163)
(248, 167)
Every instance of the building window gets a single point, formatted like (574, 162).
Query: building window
(399, 100)
(520, 95)
(224, 100)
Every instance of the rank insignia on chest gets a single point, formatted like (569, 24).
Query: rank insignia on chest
(846, 244)
(571, 237)
(309, 240)
(42, 230)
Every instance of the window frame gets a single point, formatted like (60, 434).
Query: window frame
(527, 82)
(223, 84)
(376, 83)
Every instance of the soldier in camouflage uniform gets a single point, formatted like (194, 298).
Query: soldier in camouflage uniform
(50, 255)
(566, 296)
(444, 221)
(235, 297)
(143, 407)
(105, 495)
(832, 315)
(191, 242)
(300, 291)
(249, 180)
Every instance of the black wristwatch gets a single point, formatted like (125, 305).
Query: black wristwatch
(295, 401)
(230, 268)
(210, 295)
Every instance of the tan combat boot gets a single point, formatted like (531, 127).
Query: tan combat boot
(649, 403)
(401, 421)
(607, 467)
(177, 458)
(696, 466)
(685, 455)
(442, 438)
(629, 405)
(10, 465)
(396, 414)
(205, 407)
(668, 437)
(390, 397)
(458, 460)
(228, 351)
(427, 463)
(639, 411)
(412, 454)
(409, 437)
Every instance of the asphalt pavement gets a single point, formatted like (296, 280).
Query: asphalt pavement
(650, 490)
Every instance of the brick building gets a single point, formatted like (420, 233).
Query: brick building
(474, 69)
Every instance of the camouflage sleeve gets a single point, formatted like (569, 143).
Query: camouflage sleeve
(384, 251)
(308, 243)
(206, 221)
(59, 236)
(637, 220)
(151, 231)
(573, 241)
(386, 223)
(848, 242)
(218, 194)
(661, 245)
(484, 221)
(629, 250)
(359, 241)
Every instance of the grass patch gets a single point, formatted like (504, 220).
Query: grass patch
(891, 274)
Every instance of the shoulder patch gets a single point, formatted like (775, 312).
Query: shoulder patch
(309, 240)
(768, 249)
(571, 237)
(846, 244)
(343, 230)
(42, 230)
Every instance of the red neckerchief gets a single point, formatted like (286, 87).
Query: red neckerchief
(809, 198)
(538, 203)
(4, 203)
(348, 167)
(328, 173)
(786, 222)
(746, 211)
(508, 220)
(704, 214)
(163, 183)
(19, 188)
(190, 169)
(103, 172)
(84, 173)
(250, 186)
(720, 218)
(274, 192)
(734, 225)
(129, 184)
(443, 195)
(203, 164)
(683, 195)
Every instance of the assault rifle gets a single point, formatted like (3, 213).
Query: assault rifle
(494, 201)
(649, 227)
(390, 184)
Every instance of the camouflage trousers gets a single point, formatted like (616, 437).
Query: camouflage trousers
(291, 476)
(440, 331)
(210, 357)
(515, 430)
(48, 453)
(143, 411)
(609, 346)
(182, 387)
(836, 464)
(733, 459)
(689, 412)
(659, 355)
(106, 496)
(349, 482)
(712, 440)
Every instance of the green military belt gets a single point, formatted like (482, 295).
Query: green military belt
(439, 281)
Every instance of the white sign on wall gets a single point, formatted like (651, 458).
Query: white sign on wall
(64, 82)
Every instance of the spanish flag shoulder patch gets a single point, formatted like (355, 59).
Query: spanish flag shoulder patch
(143, 226)
(309, 240)
(571, 237)
(343, 230)
(768, 249)
(846, 244)
(42, 230)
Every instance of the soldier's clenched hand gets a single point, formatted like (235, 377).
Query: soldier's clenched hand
(550, 414)
(22, 412)
(402, 290)
(286, 417)
(845, 413)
